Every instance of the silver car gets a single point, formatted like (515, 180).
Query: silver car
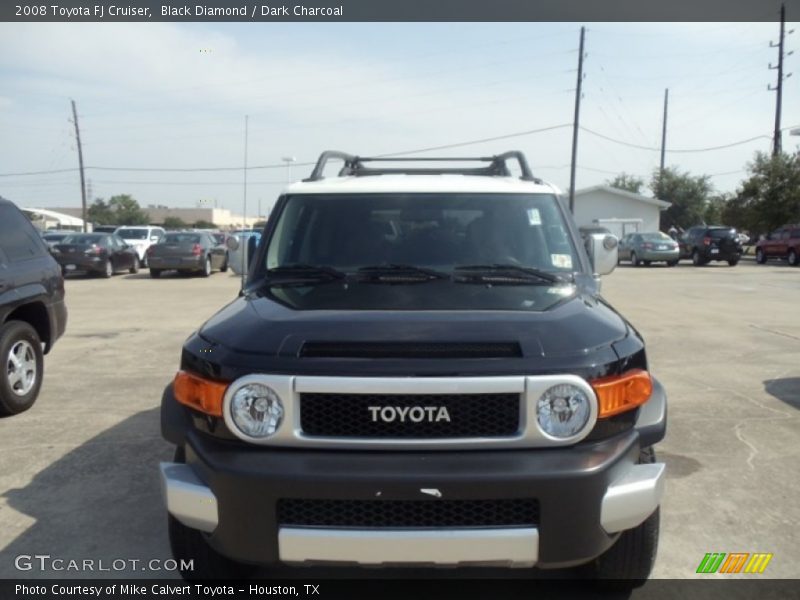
(644, 248)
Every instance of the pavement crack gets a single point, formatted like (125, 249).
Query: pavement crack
(773, 332)
(753, 450)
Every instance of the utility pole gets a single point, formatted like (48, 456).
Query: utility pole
(576, 125)
(80, 163)
(664, 133)
(245, 239)
(776, 138)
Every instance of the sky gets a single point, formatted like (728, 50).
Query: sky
(166, 96)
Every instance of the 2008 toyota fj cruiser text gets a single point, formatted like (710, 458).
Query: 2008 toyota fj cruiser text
(420, 371)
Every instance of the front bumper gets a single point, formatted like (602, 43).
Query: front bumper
(586, 494)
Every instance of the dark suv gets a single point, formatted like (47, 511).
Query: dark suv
(782, 243)
(706, 243)
(420, 371)
(32, 310)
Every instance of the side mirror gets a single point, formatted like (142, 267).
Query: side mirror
(154, 238)
(603, 250)
(232, 243)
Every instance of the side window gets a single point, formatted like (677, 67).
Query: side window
(18, 236)
(785, 235)
(796, 234)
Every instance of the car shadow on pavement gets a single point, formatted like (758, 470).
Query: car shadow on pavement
(100, 500)
(787, 390)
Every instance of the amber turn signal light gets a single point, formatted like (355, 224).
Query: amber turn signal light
(198, 393)
(619, 393)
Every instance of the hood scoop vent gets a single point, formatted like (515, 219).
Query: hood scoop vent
(411, 350)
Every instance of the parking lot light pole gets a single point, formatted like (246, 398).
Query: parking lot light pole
(289, 160)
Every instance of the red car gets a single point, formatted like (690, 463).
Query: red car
(781, 243)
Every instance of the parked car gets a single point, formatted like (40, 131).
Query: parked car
(706, 243)
(454, 391)
(52, 238)
(101, 253)
(782, 243)
(140, 238)
(186, 252)
(33, 314)
(647, 247)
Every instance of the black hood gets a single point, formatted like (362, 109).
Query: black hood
(552, 327)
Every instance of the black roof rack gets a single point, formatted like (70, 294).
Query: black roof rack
(355, 165)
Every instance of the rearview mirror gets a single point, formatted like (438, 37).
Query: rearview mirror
(232, 243)
(603, 249)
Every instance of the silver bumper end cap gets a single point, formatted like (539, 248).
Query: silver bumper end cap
(187, 498)
(633, 497)
(518, 547)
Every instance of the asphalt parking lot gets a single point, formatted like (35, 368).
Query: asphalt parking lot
(78, 475)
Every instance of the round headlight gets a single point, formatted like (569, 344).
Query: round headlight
(563, 410)
(256, 410)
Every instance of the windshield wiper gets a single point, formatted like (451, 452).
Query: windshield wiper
(396, 273)
(300, 272)
(504, 273)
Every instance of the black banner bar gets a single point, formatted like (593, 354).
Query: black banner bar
(397, 10)
(391, 589)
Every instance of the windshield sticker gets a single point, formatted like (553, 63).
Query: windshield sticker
(562, 261)
(534, 218)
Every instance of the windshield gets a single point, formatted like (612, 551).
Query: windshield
(719, 234)
(132, 234)
(83, 240)
(437, 231)
(181, 238)
(655, 236)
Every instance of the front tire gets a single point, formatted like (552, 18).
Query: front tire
(207, 267)
(792, 257)
(696, 260)
(155, 273)
(135, 267)
(761, 258)
(733, 262)
(672, 263)
(190, 547)
(108, 269)
(224, 267)
(22, 364)
(634, 259)
(628, 563)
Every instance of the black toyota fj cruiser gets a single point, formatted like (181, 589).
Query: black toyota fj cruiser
(420, 370)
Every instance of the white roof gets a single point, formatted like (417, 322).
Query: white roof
(625, 194)
(63, 219)
(421, 184)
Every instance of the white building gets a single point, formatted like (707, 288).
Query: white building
(45, 219)
(619, 210)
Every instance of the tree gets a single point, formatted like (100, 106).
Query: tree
(174, 223)
(99, 213)
(127, 211)
(201, 224)
(715, 209)
(629, 183)
(770, 196)
(688, 195)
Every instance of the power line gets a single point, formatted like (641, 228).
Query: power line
(403, 152)
(473, 142)
(681, 151)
